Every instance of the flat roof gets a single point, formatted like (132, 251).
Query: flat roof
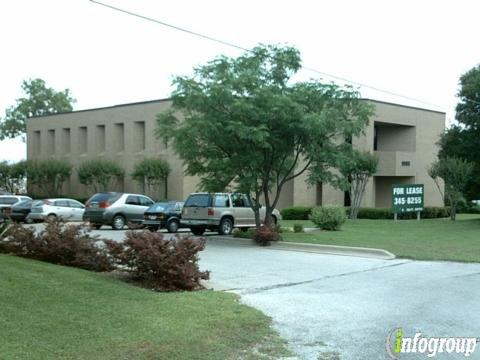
(168, 99)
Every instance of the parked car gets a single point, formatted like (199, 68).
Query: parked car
(164, 215)
(20, 210)
(220, 212)
(116, 209)
(6, 203)
(67, 209)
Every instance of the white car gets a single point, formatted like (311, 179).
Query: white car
(67, 209)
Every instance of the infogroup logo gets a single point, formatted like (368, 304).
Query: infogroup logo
(397, 343)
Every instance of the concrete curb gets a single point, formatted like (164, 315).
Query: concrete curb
(316, 248)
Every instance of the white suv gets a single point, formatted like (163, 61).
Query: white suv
(220, 212)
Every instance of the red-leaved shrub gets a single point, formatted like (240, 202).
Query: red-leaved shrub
(159, 263)
(58, 243)
(264, 236)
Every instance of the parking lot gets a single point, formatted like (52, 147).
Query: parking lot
(344, 307)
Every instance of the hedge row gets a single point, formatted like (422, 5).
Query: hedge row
(433, 212)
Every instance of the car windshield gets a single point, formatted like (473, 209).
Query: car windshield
(37, 203)
(160, 207)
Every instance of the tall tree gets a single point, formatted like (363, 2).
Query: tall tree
(455, 173)
(38, 100)
(151, 173)
(243, 122)
(355, 169)
(99, 174)
(463, 140)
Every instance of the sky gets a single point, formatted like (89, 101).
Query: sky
(414, 48)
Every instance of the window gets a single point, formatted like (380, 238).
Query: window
(144, 201)
(8, 200)
(221, 201)
(239, 200)
(375, 138)
(132, 200)
(61, 203)
(405, 163)
(36, 142)
(198, 200)
(75, 204)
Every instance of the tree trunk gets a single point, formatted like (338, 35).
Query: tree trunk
(256, 209)
(165, 180)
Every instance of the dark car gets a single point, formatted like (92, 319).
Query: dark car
(20, 211)
(6, 203)
(163, 215)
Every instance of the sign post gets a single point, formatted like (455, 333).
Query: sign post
(407, 198)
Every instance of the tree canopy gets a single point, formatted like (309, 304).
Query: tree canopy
(243, 122)
(38, 100)
(99, 174)
(152, 173)
(463, 140)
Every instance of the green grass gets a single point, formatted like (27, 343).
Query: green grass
(429, 239)
(55, 312)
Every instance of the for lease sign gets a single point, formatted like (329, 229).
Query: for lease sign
(407, 198)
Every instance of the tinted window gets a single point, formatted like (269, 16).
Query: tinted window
(105, 197)
(132, 200)
(221, 201)
(145, 201)
(62, 203)
(239, 200)
(202, 200)
(8, 200)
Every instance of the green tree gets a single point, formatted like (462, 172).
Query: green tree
(13, 177)
(463, 140)
(38, 100)
(355, 169)
(151, 173)
(48, 176)
(99, 174)
(455, 173)
(246, 124)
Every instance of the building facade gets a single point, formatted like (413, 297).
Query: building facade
(404, 139)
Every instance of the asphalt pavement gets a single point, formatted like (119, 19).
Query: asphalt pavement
(343, 307)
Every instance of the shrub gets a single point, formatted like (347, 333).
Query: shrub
(431, 212)
(58, 243)
(264, 236)
(329, 217)
(159, 263)
(296, 213)
(298, 228)
(99, 174)
(248, 234)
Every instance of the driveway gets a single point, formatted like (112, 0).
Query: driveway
(339, 307)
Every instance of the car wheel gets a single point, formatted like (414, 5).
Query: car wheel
(153, 228)
(244, 229)
(172, 226)
(51, 217)
(198, 230)
(226, 226)
(118, 222)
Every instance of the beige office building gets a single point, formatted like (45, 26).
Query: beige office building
(404, 139)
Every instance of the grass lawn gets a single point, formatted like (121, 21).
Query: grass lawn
(54, 312)
(433, 239)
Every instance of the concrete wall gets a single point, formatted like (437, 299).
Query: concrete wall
(126, 133)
